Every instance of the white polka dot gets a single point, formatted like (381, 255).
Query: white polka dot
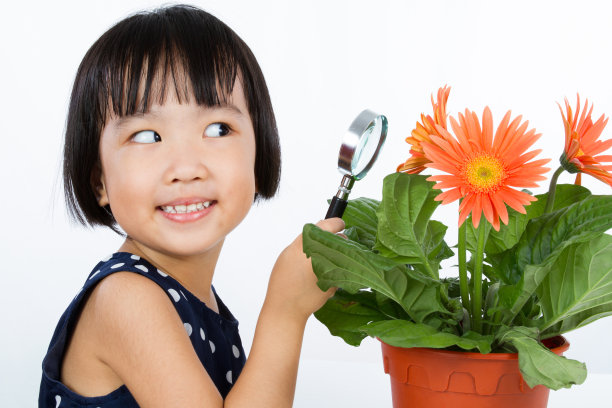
(183, 294)
(119, 265)
(188, 328)
(228, 376)
(94, 274)
(212, 346)
(202, 334)
(135, 257)
(236, 351)
(174, 295)
(142, 268)
(161, 273)
(58, 400)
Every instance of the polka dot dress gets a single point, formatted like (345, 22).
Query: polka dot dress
(214, 337)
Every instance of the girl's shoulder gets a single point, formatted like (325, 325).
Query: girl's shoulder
(114, 322)
(142, 330)
(115, 325)
(128, 324)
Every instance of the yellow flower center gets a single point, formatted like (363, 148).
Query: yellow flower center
(484, 173)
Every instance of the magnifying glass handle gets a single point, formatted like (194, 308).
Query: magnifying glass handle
(336, 208)
(340, 200)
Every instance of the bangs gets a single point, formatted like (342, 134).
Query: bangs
(148, 60)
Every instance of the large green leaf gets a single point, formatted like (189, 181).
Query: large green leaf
(360, 220)
(401, 333)
(578, 320)
(551, 231)
(339, 262)
(509, 235)
(539, 365)
(405, 232)
(578, 286)
(513, 297)
(345, 313)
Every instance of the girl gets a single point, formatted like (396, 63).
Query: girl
(170, 137)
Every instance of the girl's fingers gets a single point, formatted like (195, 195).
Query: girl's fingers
(331, 224)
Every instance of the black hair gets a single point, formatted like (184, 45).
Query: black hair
(121, 73)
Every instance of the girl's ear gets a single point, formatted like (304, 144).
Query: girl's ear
(97, 183)
(101, 193)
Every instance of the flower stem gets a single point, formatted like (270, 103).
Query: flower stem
(463, 278)
(550, 202)
(477, 279)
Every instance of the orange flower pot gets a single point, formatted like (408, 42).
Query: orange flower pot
(424, 377)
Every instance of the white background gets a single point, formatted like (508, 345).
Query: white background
(324, 61)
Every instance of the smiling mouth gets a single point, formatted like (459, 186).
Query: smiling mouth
(186, 209)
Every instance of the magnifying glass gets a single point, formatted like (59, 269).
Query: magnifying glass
(358, 152)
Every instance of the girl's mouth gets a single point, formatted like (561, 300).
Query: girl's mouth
(187, 212)
(186, 209)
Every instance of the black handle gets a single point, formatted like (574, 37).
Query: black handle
(336, 208)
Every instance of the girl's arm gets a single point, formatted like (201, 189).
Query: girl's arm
(136, 332)
(271, 370)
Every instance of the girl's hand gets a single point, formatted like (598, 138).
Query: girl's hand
(293, 285)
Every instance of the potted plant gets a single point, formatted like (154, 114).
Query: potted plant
(538, 266)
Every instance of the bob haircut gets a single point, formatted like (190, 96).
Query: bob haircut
(128, 69)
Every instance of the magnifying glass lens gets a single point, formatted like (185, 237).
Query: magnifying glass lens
(358, 152)
(366, 149)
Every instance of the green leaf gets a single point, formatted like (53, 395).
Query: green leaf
(361, 236)
(345, 313)
(565, 195)
(578, 285)
(551, 231)
(390, 308)
(539, 365)
(502, 335)
(513, 298)
(401, 333)
(453, 286)
(360, 220)
(434, 245)
(339, 262)
(509, 235)
(578, 320)
(405, 232)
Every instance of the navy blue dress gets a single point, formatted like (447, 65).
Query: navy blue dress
(214, 337)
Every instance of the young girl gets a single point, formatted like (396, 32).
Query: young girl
(170, 137)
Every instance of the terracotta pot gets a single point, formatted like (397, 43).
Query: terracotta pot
(424, 377)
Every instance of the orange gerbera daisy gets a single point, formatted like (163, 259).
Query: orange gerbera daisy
(582, 149)
(483, 167)
(416, 162)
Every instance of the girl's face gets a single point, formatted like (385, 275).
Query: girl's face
(180, 177)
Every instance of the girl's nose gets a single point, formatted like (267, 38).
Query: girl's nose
(187, 162)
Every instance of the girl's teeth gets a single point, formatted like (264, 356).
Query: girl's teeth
(182, 209)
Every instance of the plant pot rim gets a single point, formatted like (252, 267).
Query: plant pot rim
(557, 345)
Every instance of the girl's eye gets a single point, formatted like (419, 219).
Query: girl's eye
(216, 130)
(146, 136)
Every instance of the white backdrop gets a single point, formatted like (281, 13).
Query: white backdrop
(324, 61)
